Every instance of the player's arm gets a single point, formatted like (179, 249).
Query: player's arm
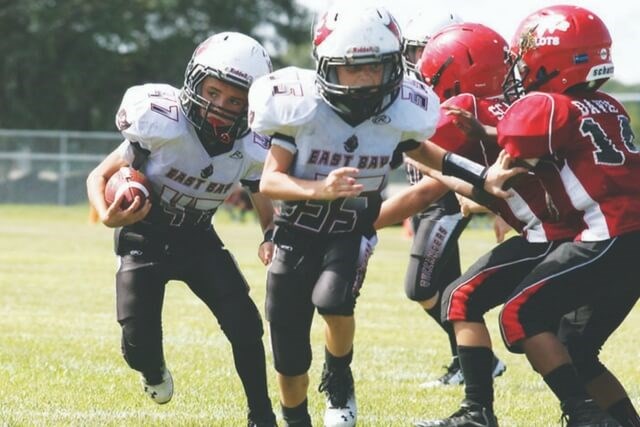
(470, 125)
(409, 201)
(277, 184)
(264, 208)
(112, 216)
(490, 179)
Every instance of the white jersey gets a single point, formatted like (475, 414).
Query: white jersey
(189, 184)
(287, 106)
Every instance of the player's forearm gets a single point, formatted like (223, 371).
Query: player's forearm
(264, 209)
(409, 202)
(280, 186)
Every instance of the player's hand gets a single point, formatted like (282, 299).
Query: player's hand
(115, 216)
(499, 173)
(466, 122)
(468, 206)
(500, 228)
(265, 252)
(340, 183)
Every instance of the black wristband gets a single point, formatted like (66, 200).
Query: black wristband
(268, 236)
(465, 169)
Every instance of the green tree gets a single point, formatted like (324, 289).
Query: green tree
(66, 63)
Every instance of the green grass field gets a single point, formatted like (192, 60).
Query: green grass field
(60, 361)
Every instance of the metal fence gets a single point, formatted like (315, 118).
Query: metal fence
(50, 167)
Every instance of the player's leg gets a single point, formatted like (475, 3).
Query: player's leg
(334, 294)
(140, 286)
(434, 262)
(575, 274)
(290, 313)
(214, 277)
(584, 348)
(485, 285)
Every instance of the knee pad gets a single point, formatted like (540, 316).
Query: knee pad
(141, 347)
(434, 258)
(333, 295)
(585, 358)
(291, 346)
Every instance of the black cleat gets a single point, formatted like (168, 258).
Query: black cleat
(585, 413)
(469, 415)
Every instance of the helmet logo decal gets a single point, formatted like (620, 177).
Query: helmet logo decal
(322, 31)
(363, 50)
(545, 26)
(393, 27)
(604, 54)
(548, 24)
(239, 73)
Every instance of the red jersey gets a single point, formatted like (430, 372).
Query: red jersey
(527, 210)
(588, 163)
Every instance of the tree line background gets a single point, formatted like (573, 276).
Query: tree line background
(66, 64)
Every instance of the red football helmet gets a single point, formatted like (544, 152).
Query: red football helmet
(470, 58)
(559, 47)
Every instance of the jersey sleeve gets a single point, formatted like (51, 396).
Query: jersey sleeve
(416, 111)
(279, 103)
(256, 147)
(150, 115)
(447, 134)
(537, 125)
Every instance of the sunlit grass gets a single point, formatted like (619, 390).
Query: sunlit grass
(60, 361)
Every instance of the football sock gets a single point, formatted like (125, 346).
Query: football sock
(337, 363)
(476, 363)
(565, 384)
(297, 416)
(435, 313)
(249, 361)
(624, 412)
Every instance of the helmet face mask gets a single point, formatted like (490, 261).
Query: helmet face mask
(235, 60)
(369, 38)
(560, 48)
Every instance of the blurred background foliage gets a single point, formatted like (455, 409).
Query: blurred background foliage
(66, 63)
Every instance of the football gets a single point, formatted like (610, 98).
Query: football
(130, 182)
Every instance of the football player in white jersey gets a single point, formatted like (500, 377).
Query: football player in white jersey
(335, 134)
(419, 29)
(194, 146)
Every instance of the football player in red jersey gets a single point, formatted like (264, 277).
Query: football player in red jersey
(467, 63)
(194, 146)
(579, 143)
(434, 258)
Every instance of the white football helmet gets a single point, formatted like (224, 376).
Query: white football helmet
(346, 36)
(233, 58)
(419, 30)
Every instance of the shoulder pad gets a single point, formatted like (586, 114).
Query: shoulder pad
(447, 134)
(282, 101)
(150, 114)
(536, 125)
(416, 111)
(256, 146)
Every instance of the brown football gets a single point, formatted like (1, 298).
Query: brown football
(131, 183)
